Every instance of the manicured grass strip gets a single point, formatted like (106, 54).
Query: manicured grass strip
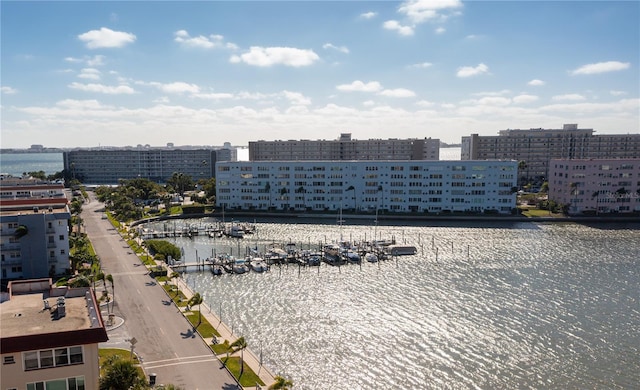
(205, 328)
(248, 379)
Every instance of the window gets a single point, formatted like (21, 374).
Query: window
(8, 360)
(52, 358)
(62, 357)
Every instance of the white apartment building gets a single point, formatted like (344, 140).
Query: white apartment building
(367, 186)
(49, 337)
(345, 149)
(34, 229)
(596, 186)
(536, 147)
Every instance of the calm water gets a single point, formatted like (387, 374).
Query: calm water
(18, 163)
(503, 307)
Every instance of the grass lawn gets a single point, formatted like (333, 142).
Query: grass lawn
(106, 353)
(205, 328)
(540, 213)
(248, 378)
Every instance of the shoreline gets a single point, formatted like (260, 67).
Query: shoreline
(385, 219)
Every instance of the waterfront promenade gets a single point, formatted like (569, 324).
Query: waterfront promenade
(165, 342)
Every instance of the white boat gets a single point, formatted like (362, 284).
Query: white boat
(217, 269)
(371, 257)
(235, 231)
(240, 266)
(258, 264)
(351, 255)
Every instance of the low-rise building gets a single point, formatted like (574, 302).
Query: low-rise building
(49, 337)
(367, 186)
(596, 186)
(34, 229)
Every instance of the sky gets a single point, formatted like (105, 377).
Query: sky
(127, 73)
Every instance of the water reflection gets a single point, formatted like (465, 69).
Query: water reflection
(532, 306)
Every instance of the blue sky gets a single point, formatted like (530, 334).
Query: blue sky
(206, 72)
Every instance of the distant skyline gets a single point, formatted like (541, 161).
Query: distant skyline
(84, 74)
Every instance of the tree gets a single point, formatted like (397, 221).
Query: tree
(196, 299)
(240, 345)
(352, 188)
(21, 231)
(120, 374)
(574, 192)
(173, 276)
(181, 182)
(109, 277)
(281, 383)
(267, 189)
(37, 175)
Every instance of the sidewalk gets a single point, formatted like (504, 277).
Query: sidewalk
(250, 358)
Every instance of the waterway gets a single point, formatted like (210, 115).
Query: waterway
(481, 306)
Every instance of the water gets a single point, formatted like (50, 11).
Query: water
(507, 306)
(18, 163)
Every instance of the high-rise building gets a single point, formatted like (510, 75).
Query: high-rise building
(345, 149)
(367, 186)
(536, 147)
(109, 166)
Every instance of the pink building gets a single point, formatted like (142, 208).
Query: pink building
(593, 186)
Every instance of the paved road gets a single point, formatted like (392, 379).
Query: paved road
(165, 342)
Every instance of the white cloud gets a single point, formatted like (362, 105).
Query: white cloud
(468, 71)
(90, 74)
(569, 96)
(421, 65)
(368, 103)
(176, 87)
(213, 96)
(359, 86)
(296, 98)
(440, 30)
(73, 59)
(368, 15)
(524, 99)
(8, 90)
(210, 42)
(617, 93)
(105, 37)
(494, 101)
(419, 11)
(163, 100)
(601, 67)
(393, 25)
(97, 60)
(501, 92)
(269, 56)
(100, 88)
(424, 104)
(342, 49)
(536, 83)
(397, 93)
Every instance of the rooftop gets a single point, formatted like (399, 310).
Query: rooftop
(60, 314)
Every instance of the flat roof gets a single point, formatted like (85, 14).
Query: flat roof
(26, 323)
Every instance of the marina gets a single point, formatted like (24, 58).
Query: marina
(486, 305)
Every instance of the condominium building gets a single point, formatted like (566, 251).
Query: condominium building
(109, 166)
(595, 186)
(366, 186)
(536, 147)
(345, 149)
(49, 337)
(34, 229)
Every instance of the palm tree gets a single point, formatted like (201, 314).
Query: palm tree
(351, 188)
(574, 192)
(173, 276)
(196, 299)
(239, 345)
(267, 188)
(281, 383)
(21, 231)
(109, 277)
